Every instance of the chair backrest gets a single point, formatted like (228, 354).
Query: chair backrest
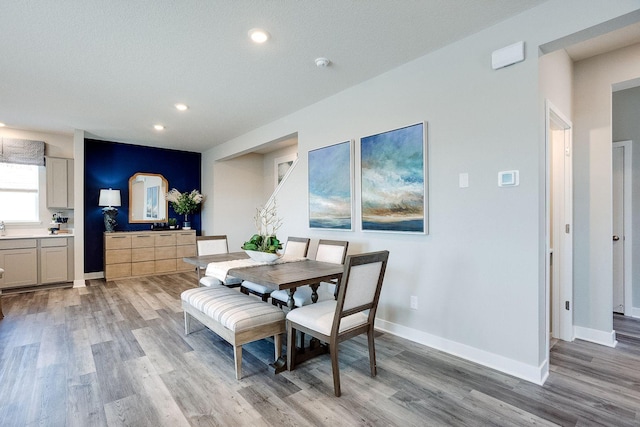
(297, 246)
(334, 251)
(212, 245)
(360, 286)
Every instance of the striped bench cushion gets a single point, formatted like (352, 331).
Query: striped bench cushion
(232, 309)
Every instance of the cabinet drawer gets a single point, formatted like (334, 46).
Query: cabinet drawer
(184, 266)
(143, 268)
(117, 242)
(117, 256)
(115, 271)
(165, 265)
(187, 238)
(143, 254)
(18, 243)
(165, 239)
(183, 251)
(142, 241)
(53, 243)
(165, 252)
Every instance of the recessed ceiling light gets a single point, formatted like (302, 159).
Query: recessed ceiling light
(181, 107)
(158, 127)
(2, 125)
(258, 35)
(322, 62)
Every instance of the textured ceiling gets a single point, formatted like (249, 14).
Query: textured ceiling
(115, 68)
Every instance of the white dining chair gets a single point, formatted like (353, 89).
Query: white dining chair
(295, 247)
(334, 321)
(213, 245)
(333, 251)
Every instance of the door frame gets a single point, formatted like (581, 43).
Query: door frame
(627, 146)
(565, 331)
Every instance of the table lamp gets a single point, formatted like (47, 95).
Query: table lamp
(109, 198)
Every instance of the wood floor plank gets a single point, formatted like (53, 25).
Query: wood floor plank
(115, 353)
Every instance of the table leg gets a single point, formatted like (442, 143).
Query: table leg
(314, 292)
(290, 302)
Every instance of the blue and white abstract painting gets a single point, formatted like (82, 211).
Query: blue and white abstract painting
(330, 187)
(393, 180)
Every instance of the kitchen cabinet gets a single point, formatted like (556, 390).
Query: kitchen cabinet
(59, 183)
(144, 253)
(35, 261)
(54, 266)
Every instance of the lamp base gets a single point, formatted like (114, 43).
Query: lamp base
(110, 223)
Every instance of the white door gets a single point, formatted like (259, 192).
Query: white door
(618, 229)
(560, 225)
(622, 230)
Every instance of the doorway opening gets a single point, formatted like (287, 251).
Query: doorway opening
(559, 225)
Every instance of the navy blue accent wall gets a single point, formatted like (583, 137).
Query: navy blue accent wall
(110, 165)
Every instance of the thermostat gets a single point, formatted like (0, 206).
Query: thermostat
(508, 178)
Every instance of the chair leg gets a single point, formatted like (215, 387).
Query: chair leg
(244, 290)
(265, 297)
(335, 368)
(291, 347)
(237, 358)
(372, 352)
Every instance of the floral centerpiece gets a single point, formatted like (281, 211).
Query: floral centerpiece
(185, 203)
(265, 241)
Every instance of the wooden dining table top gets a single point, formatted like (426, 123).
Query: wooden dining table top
(279, 276)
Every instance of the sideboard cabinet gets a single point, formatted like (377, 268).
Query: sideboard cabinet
(145, 253)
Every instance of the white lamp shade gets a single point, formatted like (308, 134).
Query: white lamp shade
(109, 197)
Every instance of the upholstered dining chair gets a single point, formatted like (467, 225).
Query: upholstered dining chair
(334, 321)
(334, 251)
(295, 247)
(213, 245)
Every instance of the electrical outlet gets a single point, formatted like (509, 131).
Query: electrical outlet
(414, 302)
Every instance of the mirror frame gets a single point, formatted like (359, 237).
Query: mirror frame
(164, 191)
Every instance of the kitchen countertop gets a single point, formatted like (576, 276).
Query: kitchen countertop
(37, 236)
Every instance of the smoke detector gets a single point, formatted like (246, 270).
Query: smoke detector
(322, 62)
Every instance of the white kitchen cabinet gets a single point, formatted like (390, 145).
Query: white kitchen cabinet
(35, 261)
(53, 261)
(59, 183)
(20, 263)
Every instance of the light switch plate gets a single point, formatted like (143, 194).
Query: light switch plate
(463, 180)
(508, 178)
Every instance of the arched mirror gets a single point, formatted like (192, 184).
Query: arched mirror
(147, 202)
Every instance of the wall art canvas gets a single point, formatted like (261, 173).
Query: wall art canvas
(331, 187)
(393, 170)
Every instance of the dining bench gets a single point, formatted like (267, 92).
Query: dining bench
(235, 317)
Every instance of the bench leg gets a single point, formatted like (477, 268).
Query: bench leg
(277, 343)
(237, 357)
(187, 323)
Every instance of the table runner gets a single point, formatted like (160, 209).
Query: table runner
(220, 270)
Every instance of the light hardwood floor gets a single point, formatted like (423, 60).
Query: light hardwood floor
(115, 354)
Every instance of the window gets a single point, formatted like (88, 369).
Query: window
(18, 192)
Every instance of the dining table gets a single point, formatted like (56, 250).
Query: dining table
(281, 275)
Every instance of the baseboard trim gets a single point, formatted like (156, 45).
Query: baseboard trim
(595, 336)
(79, 283)
(95, 275)
(535, 374)
(635, 312)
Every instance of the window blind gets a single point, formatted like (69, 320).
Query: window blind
(22, 151)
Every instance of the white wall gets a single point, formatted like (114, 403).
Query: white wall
(626, 126)
(479, 274)
(593, 273)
